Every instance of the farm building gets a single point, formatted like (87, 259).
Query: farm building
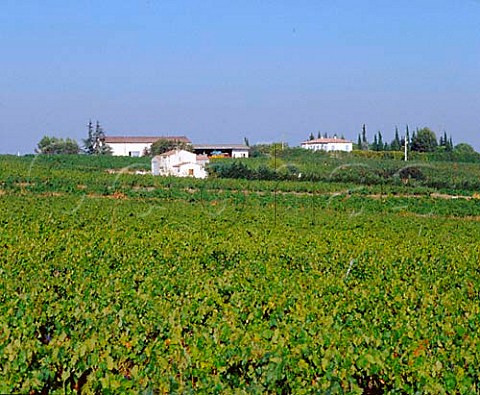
(137, 145)
(179, 163)
(328, 144)
(222, 150)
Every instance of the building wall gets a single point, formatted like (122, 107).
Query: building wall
(347, 147)
(239, 153)
(192, 170)
(129, 149)
(168, 165)
(179, 157)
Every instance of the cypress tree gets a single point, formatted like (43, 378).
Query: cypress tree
(396, 144)
(89, 142)
(444, 140)
(364, 138)
(380, 142)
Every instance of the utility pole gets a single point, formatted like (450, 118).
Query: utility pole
(406, 149)
(407, 140)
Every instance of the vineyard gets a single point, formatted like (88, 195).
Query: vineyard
(116, 282)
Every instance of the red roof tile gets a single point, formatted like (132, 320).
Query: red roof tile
(326, 141)
(144, 139)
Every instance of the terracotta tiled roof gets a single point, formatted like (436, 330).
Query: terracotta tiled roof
(168, 153)
(220, 146)
(144, 139)
(326, 141)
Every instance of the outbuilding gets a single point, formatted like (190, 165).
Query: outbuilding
(138, 145)
(223, 150)
(179, 163)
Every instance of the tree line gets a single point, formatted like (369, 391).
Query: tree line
(94, 144)
(420, 140)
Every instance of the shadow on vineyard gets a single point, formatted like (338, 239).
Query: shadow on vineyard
(373, 385)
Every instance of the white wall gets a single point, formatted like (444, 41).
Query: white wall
(180, 164)
(192, 170)
(347, 147)
(239, 153)
(179, 157)
(129, 149)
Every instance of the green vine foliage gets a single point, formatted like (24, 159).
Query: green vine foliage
(200, 288)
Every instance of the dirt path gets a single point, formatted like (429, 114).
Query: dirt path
(344, 193)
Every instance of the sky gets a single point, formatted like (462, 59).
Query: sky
(219, 71)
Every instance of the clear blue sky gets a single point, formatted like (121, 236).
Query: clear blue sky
(221, 70)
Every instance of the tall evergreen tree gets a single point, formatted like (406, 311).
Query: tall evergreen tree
(364, 138)
(94, 144)
(380, 141)
(359, 142)
(446, 142)
(396, 144)
(89, 142)
(375, 143)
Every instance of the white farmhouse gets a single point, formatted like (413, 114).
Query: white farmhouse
(179, 163)
(137, 145)
(328, 144)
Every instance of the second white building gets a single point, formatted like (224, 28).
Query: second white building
(179, 163)
(328, 144)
